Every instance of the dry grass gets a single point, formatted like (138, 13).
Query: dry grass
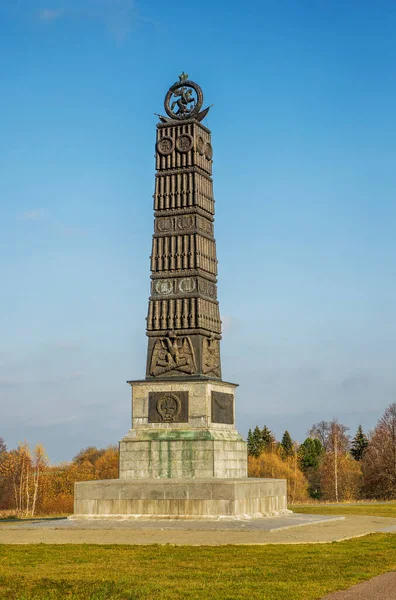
(9, 514)
(274, 572)
(374, 509)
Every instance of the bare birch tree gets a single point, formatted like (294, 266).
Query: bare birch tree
(333, 435)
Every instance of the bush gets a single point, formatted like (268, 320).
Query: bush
(270, 464)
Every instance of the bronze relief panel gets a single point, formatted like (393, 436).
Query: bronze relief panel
(173, 356)
(211, 357)
(222, 408)
(168, 407)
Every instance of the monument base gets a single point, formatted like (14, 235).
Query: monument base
(180, 498)
(202, 442)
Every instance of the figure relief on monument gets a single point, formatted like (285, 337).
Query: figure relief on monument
(184, 99)
(173, 354)
(211, 357)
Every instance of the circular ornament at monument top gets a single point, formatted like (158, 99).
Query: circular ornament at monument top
(184, 99)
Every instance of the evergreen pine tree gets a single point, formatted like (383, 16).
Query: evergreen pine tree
(250, 443)
(309, 453)
(267, 438)
(359, 444)
(257, 442)
(287, 447)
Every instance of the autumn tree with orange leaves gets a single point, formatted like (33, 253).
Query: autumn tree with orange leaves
(379, 460)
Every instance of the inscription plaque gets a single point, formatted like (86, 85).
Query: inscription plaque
(222, 408)
(168, 407)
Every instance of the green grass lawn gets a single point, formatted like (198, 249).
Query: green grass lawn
(275, 572)
(375, 509)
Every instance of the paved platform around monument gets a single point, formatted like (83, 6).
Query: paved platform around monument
(289, 529)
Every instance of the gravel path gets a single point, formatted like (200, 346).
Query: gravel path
(279, 530)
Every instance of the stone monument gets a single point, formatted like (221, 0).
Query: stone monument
(183, 457)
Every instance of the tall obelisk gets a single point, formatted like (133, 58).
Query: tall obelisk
(183, 323)
(183, 457)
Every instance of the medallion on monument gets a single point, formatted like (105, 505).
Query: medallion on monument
(164, 287)
(211, 357)
(187, 285)
(200, 145)
(168, 407)
(185, 222)
(208, 151)
(165, 224)
(165, 146)
(184, 143)
(208, 288)
(222, 408)
(173, 355)
(204, 225)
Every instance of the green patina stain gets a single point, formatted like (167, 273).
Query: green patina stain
(149, 457)
(169, 472)
(160, 459)
(187, 456)
(178, 435)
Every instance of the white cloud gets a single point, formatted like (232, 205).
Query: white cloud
(118, 16)
(32, 215)
(226, 322)
(57, 379)
(8, 382)
(49, 14)
(67, 344)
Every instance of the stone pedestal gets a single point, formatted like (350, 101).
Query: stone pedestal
(183, 429)
(182, 459)
(180, 498)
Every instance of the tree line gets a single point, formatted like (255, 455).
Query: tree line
(329, 464)
(30, 486)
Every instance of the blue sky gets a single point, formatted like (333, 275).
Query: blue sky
(304, 137)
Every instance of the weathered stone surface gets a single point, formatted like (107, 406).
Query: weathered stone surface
(199, 402)
(180, 499)
(172, 449)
